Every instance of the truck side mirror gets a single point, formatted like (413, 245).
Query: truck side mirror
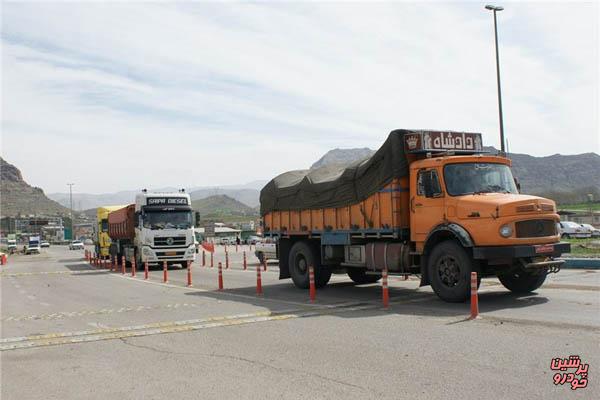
(197, 219)
(517, 184)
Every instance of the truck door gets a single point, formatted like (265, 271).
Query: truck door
(426, 204)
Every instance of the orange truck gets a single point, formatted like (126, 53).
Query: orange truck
(429, 203)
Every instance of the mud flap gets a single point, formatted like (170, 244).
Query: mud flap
(283, 254)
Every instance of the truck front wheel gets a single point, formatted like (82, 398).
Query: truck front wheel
(302, 255)
(522, 281)
(359, 276)
(449, 269)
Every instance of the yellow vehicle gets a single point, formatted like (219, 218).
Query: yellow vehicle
(102, 238)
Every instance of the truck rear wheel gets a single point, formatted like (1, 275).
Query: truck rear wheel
(359, 276)
(449, 267)
(302, 255)
(522, 281)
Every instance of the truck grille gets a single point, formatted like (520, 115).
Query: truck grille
(169, 241)
(535, 228)
(533, 208)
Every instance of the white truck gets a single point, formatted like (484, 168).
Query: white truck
(33, 245)
(158, 227)
(12, 246)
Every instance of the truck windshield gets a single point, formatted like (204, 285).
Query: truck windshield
(168, 219)
(476, 178)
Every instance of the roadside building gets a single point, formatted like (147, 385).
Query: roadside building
(49, 228)
(217, 234)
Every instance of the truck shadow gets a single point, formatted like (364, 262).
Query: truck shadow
(75, 265)
(403, 301)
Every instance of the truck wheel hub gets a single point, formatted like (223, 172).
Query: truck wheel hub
(302, 264)
(449, 271)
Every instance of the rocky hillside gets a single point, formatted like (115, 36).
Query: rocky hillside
(247, 196)
(18, 197)
(221, 205)
(342, 156)
(557, 172)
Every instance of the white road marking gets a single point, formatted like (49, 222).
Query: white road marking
(67, 273)
(163, 328)
(69, 314)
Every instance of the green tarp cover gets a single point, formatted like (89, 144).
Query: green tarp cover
(335, 186)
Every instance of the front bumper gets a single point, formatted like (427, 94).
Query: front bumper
(512, 252)
(176, 254)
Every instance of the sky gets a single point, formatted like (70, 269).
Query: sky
(124, 95)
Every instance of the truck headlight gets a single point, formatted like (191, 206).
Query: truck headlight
(506, 231)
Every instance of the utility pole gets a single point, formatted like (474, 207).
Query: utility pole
(71, 212)
(496, 9)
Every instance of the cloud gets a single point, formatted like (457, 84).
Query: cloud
(120, 96)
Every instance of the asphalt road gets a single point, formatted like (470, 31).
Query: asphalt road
(71, 331)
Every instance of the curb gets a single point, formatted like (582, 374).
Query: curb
(581, 263)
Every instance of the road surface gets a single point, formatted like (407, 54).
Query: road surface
(72, 331)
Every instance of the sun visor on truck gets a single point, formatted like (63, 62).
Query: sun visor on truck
(338, 186)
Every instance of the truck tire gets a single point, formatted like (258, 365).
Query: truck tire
(522, 281)
(359, 276)
(302, 255)
(449, 267)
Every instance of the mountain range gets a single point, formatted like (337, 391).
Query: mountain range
(565, 178)
(537, 175)
(246, 193)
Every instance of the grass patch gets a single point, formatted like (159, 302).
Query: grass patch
(580, 206)
(582, 247)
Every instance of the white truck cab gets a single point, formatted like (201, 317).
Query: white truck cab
(164, 228)
(33, 245)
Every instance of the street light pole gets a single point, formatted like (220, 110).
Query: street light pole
(71, 212)
(495, 9)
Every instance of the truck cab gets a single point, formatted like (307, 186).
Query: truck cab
(164, 228)
(12, 245)
(474, 202)
(102, 238)
(33, 245)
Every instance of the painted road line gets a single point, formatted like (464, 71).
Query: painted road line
(82, 313)
(129, 328)
(85, 272)
(138, 333)
(163, 328)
